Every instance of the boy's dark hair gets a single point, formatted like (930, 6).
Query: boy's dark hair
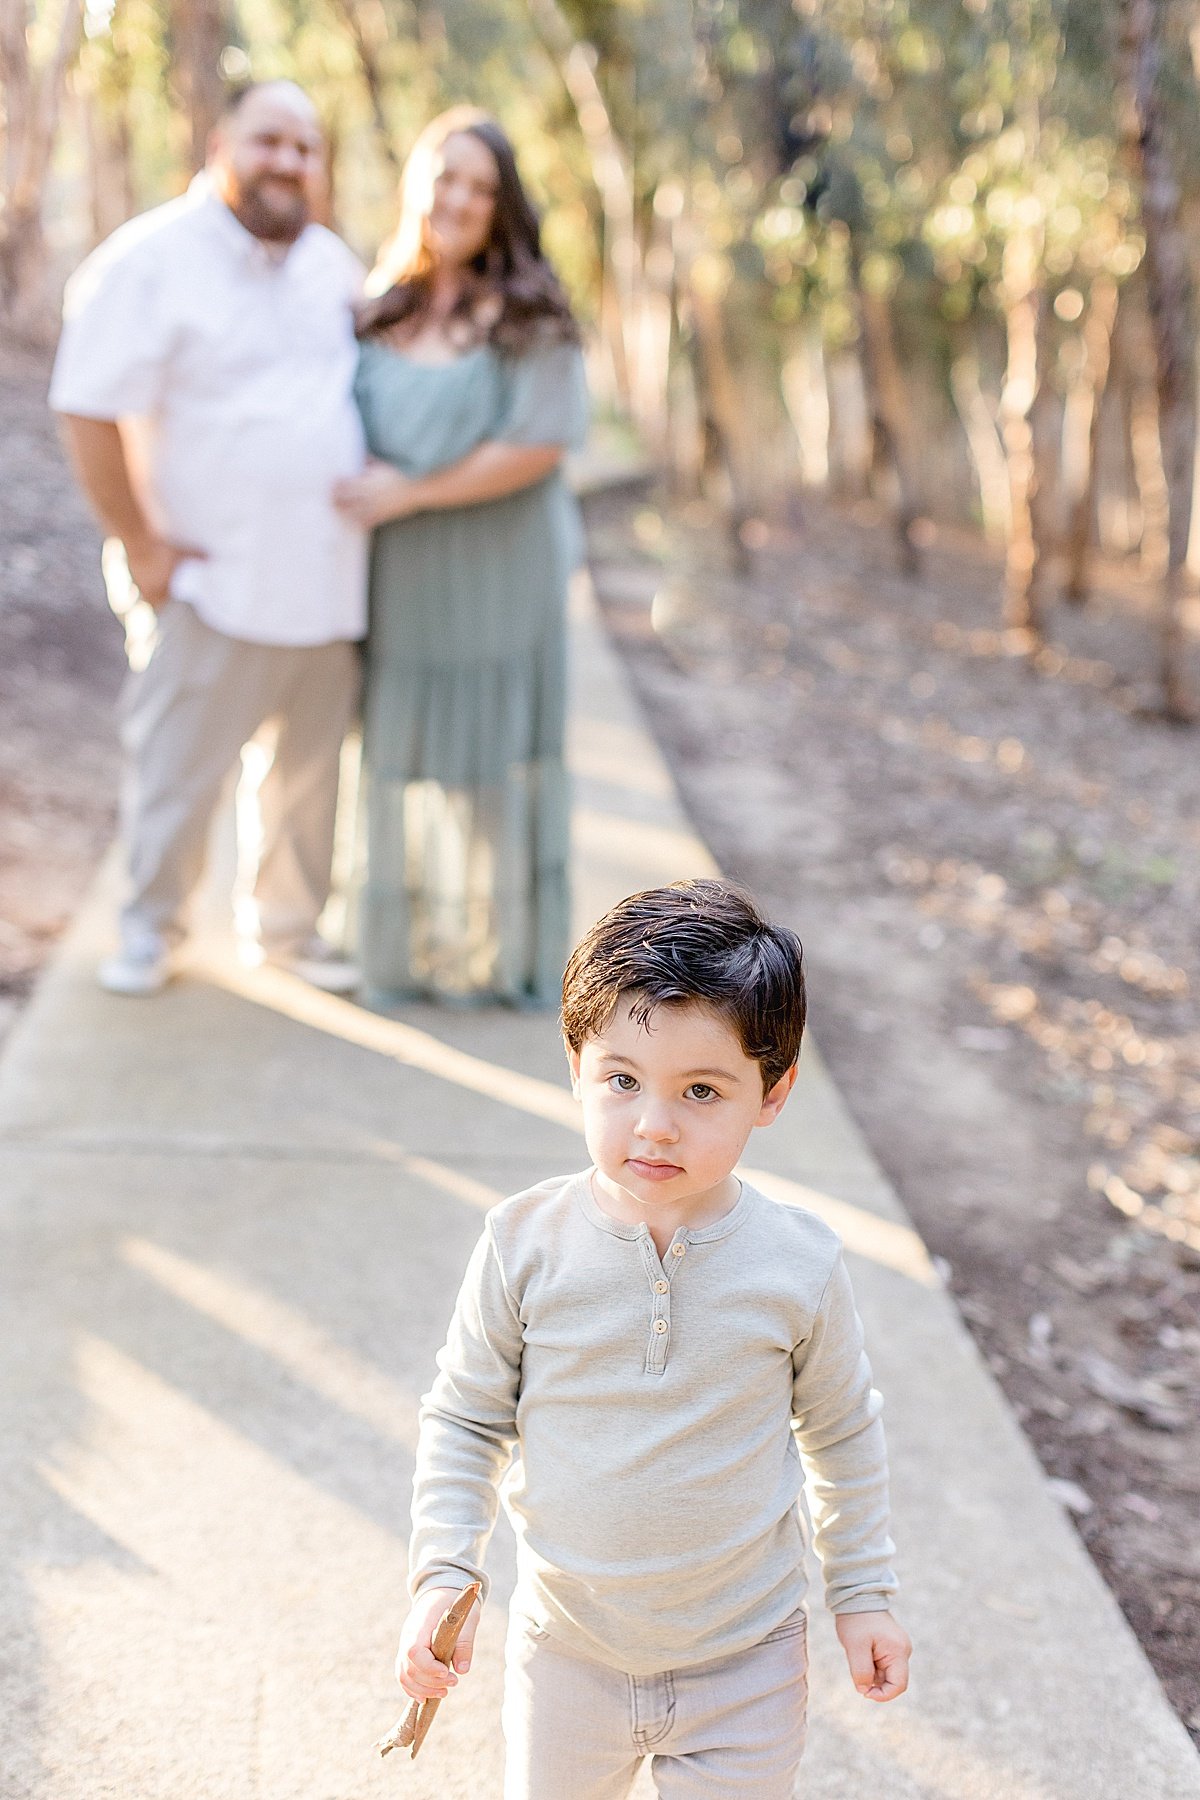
(693, 941)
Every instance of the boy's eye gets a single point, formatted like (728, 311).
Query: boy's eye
(700, 1090)
(622, 1084)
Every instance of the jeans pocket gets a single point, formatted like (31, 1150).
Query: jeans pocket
(792, 1627)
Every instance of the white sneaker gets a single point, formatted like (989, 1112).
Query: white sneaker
(320, 965)
(138, 970)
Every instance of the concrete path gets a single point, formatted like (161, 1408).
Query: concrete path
(232, 1224)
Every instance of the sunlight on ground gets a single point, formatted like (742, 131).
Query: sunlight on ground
(250, 1616)
(142, 1423)
(937, 1761)
(451, 1181)
(615, 755)
(284, 1334)
(402, 1043)
(660, 853)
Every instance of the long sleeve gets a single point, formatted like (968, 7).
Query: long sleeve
(835, 1416)
(468, 1429)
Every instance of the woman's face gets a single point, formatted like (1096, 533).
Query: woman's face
(466, 182)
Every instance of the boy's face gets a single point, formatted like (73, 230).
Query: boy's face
(668, 1107)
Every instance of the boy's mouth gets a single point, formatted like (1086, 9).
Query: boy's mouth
(653, 1171)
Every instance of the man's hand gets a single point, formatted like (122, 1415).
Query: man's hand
(877, 1650)
(418, 1670)
(380, 493)
(97, 451)
(152, 562)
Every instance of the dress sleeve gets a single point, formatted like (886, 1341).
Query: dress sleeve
(546, 398)
(115, 342)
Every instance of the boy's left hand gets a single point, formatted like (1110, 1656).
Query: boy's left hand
(877, 1650)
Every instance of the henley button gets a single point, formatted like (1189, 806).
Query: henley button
(660, 1287)
(678, 1249)
(660, 1325)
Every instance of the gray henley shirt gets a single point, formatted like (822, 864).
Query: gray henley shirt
(667, 1414)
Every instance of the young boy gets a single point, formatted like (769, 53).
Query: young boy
(672, 1354)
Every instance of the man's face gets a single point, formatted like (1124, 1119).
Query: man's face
(268, 162)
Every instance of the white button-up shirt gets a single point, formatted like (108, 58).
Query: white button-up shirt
(230, 371)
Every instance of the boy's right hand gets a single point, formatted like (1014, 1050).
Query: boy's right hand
(418, 1670)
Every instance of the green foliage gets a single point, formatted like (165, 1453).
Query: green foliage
(805, 151)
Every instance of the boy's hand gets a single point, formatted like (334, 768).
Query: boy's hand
(418, 1670)
(877, 1650)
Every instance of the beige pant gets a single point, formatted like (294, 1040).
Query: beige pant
(185, 719)
(732, 1729)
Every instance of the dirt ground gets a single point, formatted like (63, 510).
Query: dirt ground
(995, 871)
(61, 665)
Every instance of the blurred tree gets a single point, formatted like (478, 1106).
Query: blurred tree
(1169, 292)
(35, 56)
(198, 34)
(1093, 363)
(831, 241)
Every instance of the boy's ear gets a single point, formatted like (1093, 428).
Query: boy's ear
(573, 1065)
(773, 1101)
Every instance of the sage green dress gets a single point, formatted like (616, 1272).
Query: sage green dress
(464, 890)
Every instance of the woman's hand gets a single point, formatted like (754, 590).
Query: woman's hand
(380, 493)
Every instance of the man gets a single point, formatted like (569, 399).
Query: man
(204, 382)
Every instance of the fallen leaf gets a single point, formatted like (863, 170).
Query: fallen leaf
(1146, 1398)
(1012, 1609)
(1145, 1509)
(1086, 1278)
(1070, 1495)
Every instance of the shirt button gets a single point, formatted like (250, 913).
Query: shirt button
(660, 1287)
(678, 1249)
(660, 1325)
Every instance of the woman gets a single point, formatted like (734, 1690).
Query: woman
(471, 389)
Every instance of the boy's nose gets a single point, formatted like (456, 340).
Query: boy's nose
(658, 1127)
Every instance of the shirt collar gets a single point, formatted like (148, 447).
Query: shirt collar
(690, 1234)
(202, 194)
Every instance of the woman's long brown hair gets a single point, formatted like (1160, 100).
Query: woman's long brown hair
(511, 298)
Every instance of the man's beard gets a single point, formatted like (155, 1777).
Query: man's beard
(275, 221)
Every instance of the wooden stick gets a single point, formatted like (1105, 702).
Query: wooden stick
(413, 1728)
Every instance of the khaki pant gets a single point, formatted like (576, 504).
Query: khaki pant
(732, 1729)
(186, 717)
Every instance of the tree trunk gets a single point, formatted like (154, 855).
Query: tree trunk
(983, 440)
(198, 37)
(1145, 448)
(32, 104)
(1170, 300)
(367, 45)
(1098, 330)
(1023, 303)
(612, 178)
(1121, 526)
(721, 413)
(685, 427)
(805, 391)
(887, 403)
